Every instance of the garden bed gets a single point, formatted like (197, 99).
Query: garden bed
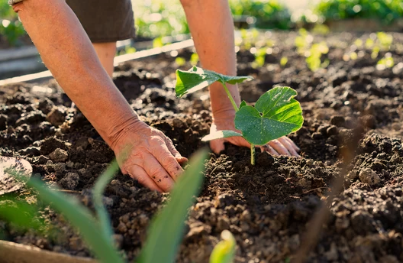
(267, 206)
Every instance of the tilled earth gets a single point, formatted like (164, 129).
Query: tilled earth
(268, 206)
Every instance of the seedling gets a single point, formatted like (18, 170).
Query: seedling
(260, 57)
(194, 59)
(386, 62)
(275, 114)
(224, 252)
(315, 53)
(283, 61)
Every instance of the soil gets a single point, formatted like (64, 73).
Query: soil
(268, 206)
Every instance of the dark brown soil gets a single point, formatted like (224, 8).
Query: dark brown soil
(268, 206)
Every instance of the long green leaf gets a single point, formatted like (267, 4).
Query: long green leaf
(99, 188)
(166, 229)
(197, 78)
(20, 213)
(80, 217)
(275, 114)
(224, 251)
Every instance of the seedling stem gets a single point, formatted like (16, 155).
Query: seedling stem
(230, 97)
(252, 154)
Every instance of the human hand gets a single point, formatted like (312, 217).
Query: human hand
(281, 146)
(149, 156)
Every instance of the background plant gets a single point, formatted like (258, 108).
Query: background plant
(10, 27)
(269, 14)
(385, 11)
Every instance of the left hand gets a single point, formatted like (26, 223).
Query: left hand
(281, 146)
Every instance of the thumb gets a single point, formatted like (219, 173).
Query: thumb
(217, 146)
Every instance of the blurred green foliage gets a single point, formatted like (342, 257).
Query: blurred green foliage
(10, 27)
(156, 18)
(385, 10)
(269, 14)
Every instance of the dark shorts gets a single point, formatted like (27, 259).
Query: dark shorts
(105, 20)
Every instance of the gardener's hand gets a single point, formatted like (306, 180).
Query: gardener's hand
(281, 146)
(149, 156)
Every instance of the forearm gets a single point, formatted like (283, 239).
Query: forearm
(67, 52)
(212, 29)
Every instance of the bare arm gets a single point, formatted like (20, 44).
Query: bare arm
(210, 22)
(67, 52)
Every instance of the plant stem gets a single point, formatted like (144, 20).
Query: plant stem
(230, 97)
(252, 154)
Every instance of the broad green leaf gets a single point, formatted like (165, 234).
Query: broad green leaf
(166, 229)
(224, 252)
(99, 188)
(275, 114)
(197, 78)
(243, 103)
(80, 217)
(220, 135)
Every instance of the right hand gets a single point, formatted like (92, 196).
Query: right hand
(151, 157)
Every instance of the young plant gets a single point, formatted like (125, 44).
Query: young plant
(224, 251)
(166, 229)
(315, 53)
(386, 62)
(275, 114)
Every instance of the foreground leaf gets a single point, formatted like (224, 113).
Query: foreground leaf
(166, 229)
(220, 135)
(21, 214)
(99, 188)
(80, 217)
(224, 252)
(197, 78)
(275, 114)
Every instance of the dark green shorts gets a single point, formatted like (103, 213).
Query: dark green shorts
(105, 20)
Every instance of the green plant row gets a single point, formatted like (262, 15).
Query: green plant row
(384, 10)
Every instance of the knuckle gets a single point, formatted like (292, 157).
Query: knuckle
(158, 175)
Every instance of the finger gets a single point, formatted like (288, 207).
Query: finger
(289, 147)
(292, 143)
(167, 160)
(138, 173)
(179, 158)
(157, 173)
(269, 149)
(239, 141)
(279, 147)
(217, 146)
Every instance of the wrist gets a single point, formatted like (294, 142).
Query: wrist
(119, 131)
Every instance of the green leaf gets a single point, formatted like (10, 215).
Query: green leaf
(79, 216)
(220, 135)
(275, 114)
(243, 103)
(99, 188)
(197, 78)
(21, 214)
(224, 252)
(166, 229)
